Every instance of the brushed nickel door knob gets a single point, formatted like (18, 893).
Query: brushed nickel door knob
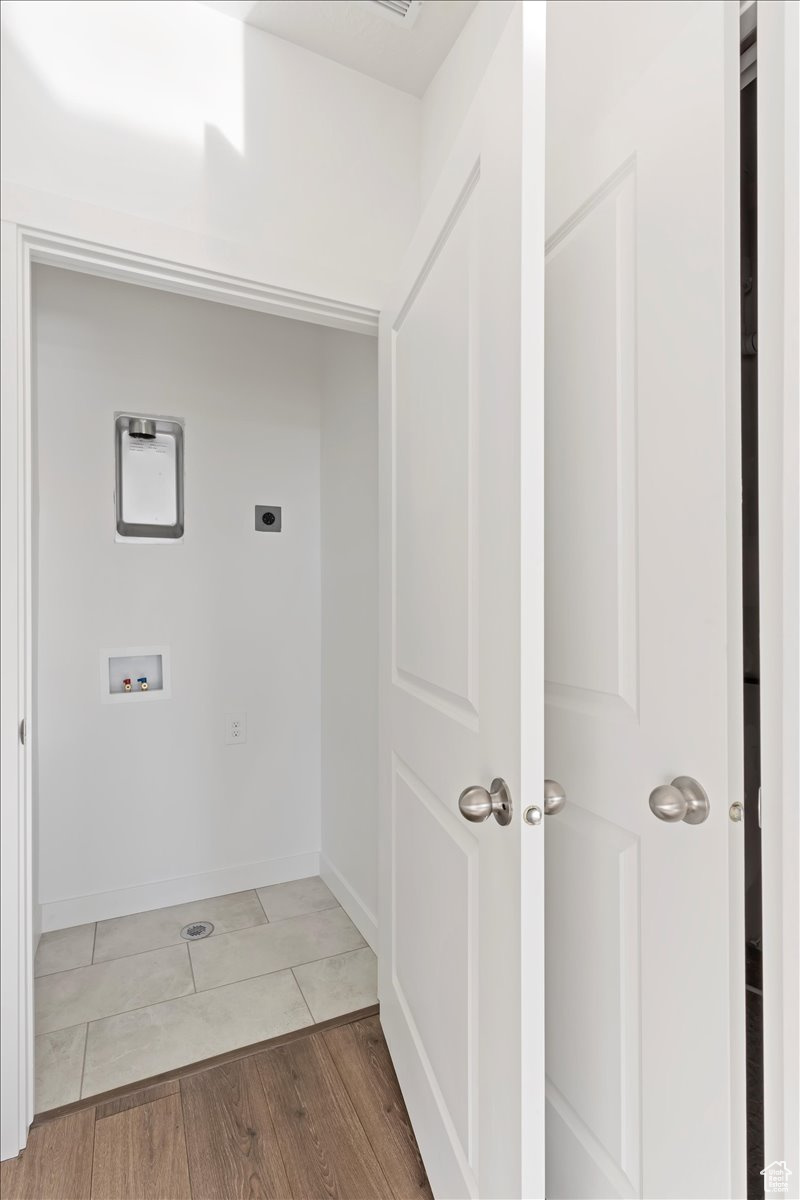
(554, 797)
(476, 804)
(682, 800)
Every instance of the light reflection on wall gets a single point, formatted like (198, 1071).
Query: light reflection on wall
(160, 66)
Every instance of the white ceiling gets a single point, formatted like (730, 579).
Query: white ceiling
(350, 33)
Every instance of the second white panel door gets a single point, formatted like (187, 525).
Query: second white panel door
(645, 995)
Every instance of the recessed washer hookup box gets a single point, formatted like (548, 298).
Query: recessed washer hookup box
(149, 477)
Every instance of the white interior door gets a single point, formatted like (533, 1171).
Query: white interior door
(644, 977)
(461, 924)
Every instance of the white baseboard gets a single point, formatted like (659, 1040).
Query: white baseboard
(82, 910)
(365, 921)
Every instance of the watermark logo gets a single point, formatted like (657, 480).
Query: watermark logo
(776, 1177)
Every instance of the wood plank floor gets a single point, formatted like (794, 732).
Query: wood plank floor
(319, 1118)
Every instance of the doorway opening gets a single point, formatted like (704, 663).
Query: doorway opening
(203, 678)
(750, 599)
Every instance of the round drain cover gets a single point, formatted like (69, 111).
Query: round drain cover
(197, 930)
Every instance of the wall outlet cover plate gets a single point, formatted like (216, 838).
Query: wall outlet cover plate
(268, 518)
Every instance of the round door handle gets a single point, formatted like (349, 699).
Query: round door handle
(554, 797)
(476, 804)
(682, 800)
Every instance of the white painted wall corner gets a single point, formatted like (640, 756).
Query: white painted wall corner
(364, 920)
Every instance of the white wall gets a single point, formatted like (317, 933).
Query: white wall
(170, 129)
(132, 798)
(779, 514)
(349, 494)
(454, 86)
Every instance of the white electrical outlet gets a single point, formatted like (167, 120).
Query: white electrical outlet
(235, 728)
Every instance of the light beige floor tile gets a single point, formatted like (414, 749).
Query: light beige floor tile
(89, 993)
(63, 949)
(162, 927)
(294, 899)
(272, 947)
(59, 1066)
(139, 1044)
(338, 985)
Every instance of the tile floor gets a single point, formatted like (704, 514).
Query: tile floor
(125, 999)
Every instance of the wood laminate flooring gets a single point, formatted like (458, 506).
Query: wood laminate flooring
(320, 1117)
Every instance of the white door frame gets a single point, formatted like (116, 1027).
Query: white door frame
(778, 42)
(22, 247)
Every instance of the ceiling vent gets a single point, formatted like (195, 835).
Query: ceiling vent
(401, 12)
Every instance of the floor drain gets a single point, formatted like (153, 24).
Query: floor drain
(197, 930)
